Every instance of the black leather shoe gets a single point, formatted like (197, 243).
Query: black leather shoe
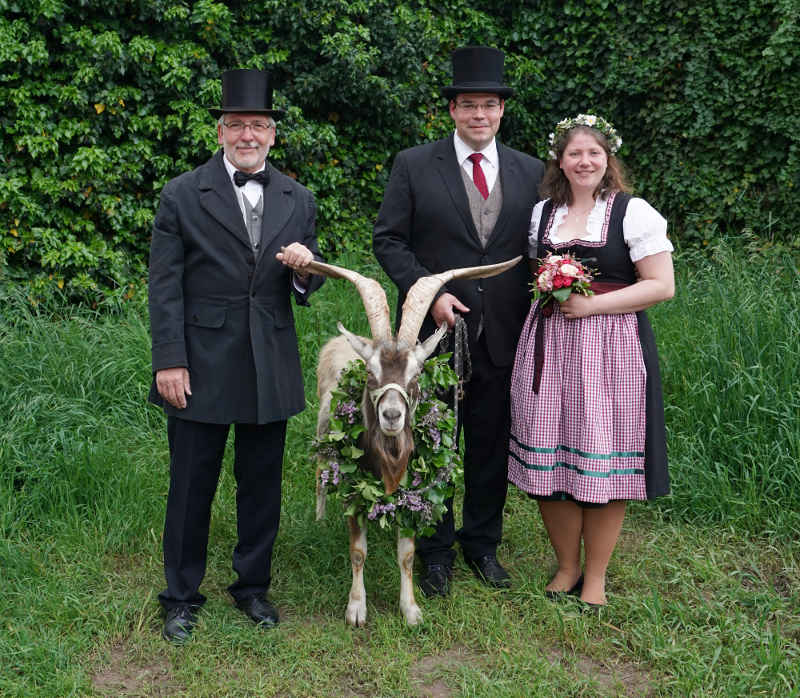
(179, 623)
(259, 610)
(561, 595)
(589, 608)
(436, 581)
(489, 571)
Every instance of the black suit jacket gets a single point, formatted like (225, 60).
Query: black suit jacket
(220, 309)
(425, 226)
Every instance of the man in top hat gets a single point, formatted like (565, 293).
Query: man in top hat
(230, 240)
(464, 201)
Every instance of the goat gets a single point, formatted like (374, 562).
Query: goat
(393, 365)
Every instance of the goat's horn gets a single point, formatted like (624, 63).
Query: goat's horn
(371, 292)
(421, 294)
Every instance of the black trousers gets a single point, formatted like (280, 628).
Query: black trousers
(196, 451)
(484, 414)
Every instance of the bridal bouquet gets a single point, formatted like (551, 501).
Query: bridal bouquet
(558, 276)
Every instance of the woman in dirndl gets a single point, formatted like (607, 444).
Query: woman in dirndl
(587, 415)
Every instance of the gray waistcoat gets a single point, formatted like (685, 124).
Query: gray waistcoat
(484, 212)
(252, 219)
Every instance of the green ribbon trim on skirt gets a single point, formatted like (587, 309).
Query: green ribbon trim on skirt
(582, 454)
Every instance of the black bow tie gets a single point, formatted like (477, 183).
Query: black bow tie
(241, 178)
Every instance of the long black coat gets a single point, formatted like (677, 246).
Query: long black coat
(425, 226)
(220, 309)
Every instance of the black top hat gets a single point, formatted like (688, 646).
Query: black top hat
(477, 69)
(247, 91)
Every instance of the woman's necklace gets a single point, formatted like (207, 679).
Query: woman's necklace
(579, 214)
(575, 223)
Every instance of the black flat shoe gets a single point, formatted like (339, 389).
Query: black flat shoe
(259, 610)
(179, 623)
(561, 595)
(590, 609)
(489, 571)
(436, 581)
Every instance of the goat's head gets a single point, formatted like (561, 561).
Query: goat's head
(394, 363)
(392, 370)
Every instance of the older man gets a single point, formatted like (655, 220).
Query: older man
(224, 346)
(463, 201)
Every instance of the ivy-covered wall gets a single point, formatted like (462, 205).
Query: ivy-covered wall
(101, 102)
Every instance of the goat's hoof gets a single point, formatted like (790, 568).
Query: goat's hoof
(356, 615)
(413, 615)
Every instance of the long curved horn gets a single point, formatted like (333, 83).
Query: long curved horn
(421, 294)
(371, 292)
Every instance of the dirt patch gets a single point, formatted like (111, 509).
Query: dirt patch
(425, 673)
(125, 677)
(611, 677)
(766, 575)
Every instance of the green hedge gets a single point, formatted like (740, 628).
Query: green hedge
(102, 102)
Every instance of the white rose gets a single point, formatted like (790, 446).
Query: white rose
(591, 120)
(568, 270)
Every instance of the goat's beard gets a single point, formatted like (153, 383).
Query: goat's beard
(387, 456)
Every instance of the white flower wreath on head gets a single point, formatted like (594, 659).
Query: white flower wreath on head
(592, 121)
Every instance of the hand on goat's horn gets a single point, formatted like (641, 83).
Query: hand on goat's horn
(371, 292)
(420, 295)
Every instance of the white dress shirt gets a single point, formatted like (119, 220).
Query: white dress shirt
(490, 164)
(252, 190)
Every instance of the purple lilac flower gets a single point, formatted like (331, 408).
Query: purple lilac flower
(431, 422)
(379, 509)
(414, 503)
(328, 452)
(347, 410)
(330, 474)
(417, 481)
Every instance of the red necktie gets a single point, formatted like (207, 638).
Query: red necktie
(477, 175)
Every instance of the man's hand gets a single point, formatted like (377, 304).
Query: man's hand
(173, 386)
(442, 309)
(296, 256)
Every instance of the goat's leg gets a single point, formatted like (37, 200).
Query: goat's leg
(320, 495)
(356, 614)
(405, 560)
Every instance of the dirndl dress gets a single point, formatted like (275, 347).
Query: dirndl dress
(594, 432)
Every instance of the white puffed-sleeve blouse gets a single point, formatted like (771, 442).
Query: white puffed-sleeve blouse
(644, 228)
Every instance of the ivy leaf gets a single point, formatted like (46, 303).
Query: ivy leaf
(561, 294)
(352, 452)
(435, 496)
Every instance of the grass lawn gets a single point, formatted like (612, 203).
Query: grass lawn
(703, 586)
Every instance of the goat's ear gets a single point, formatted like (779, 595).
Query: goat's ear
(424, 350)
(361, 346)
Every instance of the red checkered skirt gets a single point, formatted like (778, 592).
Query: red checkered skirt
(583, 433)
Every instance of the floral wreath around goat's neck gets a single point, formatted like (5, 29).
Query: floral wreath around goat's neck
(592, 121)
(420, 501)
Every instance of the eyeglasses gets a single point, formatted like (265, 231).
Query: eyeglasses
(255, 126)
(472, 107)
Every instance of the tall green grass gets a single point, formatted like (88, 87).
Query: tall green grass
(730, 350)
(705, 599)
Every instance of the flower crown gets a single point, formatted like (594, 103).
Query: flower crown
(590, 120)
